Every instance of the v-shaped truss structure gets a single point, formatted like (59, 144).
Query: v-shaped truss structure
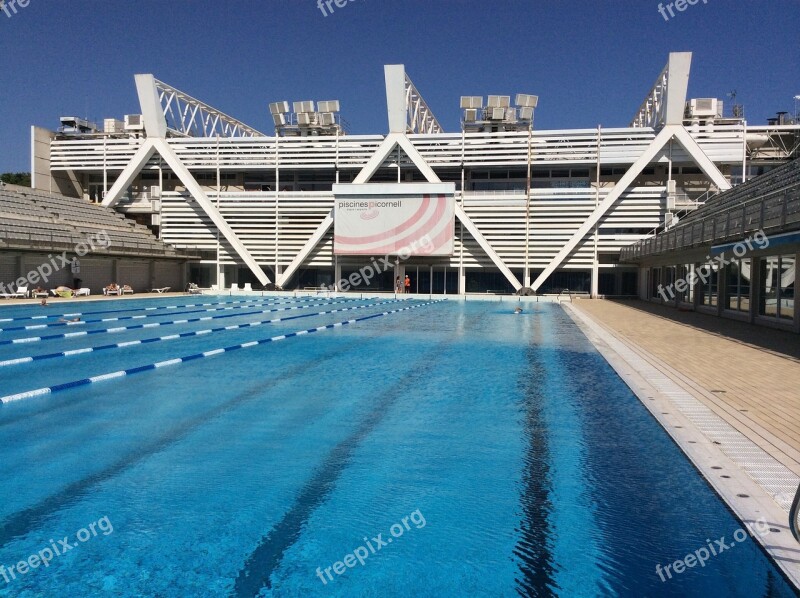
(420, 117)
(188, 116)
(166, 110)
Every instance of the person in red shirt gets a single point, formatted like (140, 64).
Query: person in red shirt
(407, 284)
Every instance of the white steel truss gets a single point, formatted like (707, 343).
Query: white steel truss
(676, 132)
(408, 112)
(190, 117)
(420, 117)
(664, 104)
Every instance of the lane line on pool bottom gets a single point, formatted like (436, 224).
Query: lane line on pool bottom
(245, 305)
(50, 337)
(177, 360)
(154, 308)
(167, 337)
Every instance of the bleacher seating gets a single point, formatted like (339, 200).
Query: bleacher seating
(778, 179)
(29, 217)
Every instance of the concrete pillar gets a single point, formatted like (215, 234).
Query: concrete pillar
(462, 280)
(595, 279)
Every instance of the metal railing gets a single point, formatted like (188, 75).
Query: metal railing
(775, 212)
(565, 291)
(794, 513)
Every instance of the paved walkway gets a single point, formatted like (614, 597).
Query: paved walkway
(748, 375)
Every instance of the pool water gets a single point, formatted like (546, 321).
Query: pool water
(452, 449)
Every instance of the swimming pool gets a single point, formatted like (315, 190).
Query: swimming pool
(451, 449)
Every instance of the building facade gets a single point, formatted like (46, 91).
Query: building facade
(535, 211)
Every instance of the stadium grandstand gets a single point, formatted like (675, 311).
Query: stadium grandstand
(736, 256)
(99, 246)
(513, 209)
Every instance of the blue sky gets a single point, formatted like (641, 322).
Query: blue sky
(590, 61)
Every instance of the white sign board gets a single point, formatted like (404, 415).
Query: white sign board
(394, 219)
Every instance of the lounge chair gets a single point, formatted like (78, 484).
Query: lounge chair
(161, 290)
(234, 287)
(193, 289)
(63, 292)
(40, 294)
(126, 290)
(22, 293)
(247, 287)
(109, 291)
(83, 292)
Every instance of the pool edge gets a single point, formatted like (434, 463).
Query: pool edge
(701, 450)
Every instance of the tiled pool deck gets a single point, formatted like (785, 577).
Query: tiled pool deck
(727, 392)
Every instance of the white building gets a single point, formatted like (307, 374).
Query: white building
(549, 210)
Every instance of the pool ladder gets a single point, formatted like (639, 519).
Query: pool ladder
(794, 512)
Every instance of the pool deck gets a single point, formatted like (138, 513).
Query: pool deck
(747, 374)
(727, 392)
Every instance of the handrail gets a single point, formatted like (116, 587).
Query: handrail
(567, 291)
(757, 220)
(794, 512)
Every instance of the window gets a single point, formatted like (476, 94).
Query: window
(683, 283)
(776, 288)
(708, 274)
(737, 285)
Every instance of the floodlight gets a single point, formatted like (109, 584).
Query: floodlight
(498, 113)
(328, 105)
(305, 106)
(279, 107)
(325, 118)
(470, 115)
(524, 100)
(471, 102)
(279, 119)
(526, 113)
(498, 101)
(304, 118)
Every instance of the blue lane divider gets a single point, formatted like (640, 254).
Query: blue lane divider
(186, 358)
(152, 308)
(30, 358)
(144, 316)
(50, 337)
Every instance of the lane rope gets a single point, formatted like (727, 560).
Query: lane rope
(143, 316)
(156, 308)
(50, 337)
(132, 343)
(186, 358)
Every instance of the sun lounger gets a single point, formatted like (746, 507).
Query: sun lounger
(247, 287)
(63, 292)
(41, 294)
(161, 290)
(127, 290)
(234, 287)
(83, 292)
(21, 293)
(116, 291)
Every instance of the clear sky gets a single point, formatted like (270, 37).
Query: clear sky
(590, 61)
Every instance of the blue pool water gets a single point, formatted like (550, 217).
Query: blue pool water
(454, 449)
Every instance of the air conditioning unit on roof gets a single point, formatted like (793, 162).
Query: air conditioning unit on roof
(134, 122)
